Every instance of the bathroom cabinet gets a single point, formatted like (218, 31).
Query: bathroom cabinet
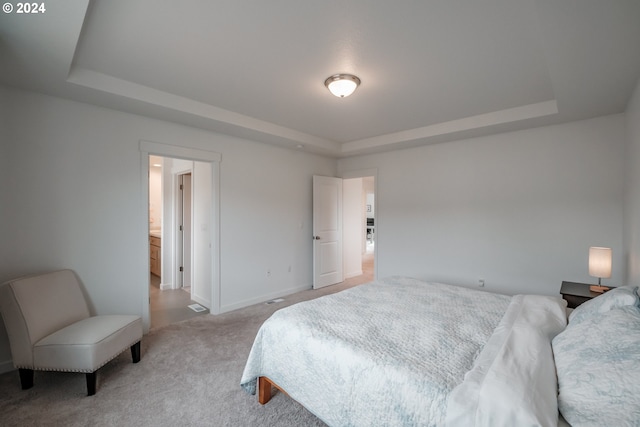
(155, 255)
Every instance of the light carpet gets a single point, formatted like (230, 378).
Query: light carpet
(189, 375)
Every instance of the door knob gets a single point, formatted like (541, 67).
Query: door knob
(316, 237)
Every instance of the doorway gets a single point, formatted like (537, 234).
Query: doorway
(171, 200)
(344, 230)
(205, 289)
(360, 230)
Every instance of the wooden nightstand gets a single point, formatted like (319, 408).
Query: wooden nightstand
(577, 293)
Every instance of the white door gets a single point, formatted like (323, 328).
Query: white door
(327, 231)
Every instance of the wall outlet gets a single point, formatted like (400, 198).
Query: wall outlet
(481, 283)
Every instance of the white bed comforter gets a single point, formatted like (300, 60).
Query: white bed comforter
(405, 352)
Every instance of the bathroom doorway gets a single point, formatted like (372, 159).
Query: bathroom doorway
(171, 239)
(205, 181)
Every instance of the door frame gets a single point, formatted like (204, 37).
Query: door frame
(363, 173)
(147, 148)
(179, 249)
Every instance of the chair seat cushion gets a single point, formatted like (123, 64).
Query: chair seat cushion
(86, 345)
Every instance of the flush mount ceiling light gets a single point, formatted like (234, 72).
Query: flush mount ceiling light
(342, 85)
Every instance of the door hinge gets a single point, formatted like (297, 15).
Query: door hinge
(181, 187)
(181, 269)
(180, 228)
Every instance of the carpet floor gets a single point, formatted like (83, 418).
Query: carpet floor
(189, 375)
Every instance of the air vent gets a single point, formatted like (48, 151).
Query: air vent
(197, 308)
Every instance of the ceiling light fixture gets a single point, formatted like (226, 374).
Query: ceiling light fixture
(342, 85)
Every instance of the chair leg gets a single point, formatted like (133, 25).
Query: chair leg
(26, 378)
(135, 352)
(91, 383)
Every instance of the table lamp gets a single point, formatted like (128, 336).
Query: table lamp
(599, 266)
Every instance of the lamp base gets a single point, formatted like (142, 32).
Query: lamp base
(599, 289)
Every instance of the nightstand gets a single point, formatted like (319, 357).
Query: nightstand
(577, 293)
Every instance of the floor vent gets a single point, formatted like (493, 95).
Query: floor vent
(197, 308)
(273, 301)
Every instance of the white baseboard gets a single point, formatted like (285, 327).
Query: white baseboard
(6, 366)
(353, 274)
(264, 298)
(164, 286)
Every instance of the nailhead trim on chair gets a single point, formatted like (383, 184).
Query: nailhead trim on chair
(83, 371)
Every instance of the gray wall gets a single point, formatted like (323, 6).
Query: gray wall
(518, 209)
(632, 189)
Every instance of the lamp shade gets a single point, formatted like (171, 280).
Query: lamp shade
(600, 262)
(342, 85)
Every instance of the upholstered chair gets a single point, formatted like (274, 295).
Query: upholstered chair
(50, 328)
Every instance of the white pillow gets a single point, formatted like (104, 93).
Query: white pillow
(597, 363)
(617, 297)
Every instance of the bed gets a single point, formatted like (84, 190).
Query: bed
(401, 351)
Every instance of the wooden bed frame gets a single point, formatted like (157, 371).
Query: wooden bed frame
(265, 387)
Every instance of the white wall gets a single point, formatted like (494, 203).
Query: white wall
(352, 226)
(78, 202)
(632, 189)
(202, 245)
(155, 196)
(518, 210)
(267, 221)
(168, 218)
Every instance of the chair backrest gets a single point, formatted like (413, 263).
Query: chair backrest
(34, 307)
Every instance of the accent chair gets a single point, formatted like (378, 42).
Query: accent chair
(50, 328)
